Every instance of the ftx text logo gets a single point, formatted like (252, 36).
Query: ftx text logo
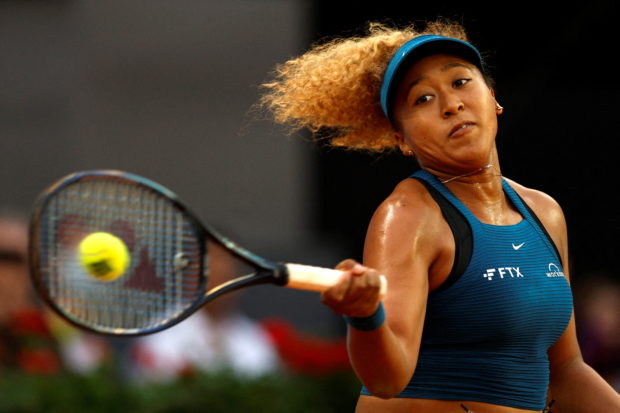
(502, 272)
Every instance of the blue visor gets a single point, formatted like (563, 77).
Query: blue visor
(415, 50)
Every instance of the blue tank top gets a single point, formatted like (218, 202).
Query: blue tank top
(486, 335)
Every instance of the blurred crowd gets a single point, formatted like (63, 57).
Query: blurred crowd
(26, 342)
(597, 308)
(34, 340)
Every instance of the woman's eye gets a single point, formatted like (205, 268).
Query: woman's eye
(460, 82)
(423, 99)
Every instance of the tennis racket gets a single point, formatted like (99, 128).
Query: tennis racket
(172, 256)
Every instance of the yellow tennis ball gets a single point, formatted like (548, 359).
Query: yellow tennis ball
(103, 256)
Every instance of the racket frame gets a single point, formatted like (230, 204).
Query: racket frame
(268, 272)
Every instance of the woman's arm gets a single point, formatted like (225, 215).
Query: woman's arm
(402, 245)
(574, 385)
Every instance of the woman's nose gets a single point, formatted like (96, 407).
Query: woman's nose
(452, 106)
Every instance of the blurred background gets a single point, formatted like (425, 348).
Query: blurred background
(166, 90)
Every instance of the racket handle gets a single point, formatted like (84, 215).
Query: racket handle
(307, 277)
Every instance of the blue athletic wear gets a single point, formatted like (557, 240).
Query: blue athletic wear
(486, 335)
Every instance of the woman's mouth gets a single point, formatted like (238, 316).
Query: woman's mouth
(461, 129)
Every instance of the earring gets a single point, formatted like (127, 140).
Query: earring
(498, 106)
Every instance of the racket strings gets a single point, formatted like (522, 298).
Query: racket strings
(155, 232)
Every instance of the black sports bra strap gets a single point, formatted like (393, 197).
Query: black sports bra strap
(461, 230)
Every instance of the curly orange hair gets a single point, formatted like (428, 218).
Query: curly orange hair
(333, 89)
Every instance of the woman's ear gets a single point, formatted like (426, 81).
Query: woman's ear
(499, 109)
(402, 144)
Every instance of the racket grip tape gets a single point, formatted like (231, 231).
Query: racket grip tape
(307, 277)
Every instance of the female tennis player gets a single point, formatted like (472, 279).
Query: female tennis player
(478, 316)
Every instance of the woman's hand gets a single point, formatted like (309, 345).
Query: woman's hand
(357, 292)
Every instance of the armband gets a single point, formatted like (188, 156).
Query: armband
(372, 322)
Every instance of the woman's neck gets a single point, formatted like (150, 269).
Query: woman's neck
(468, 174)
(483, 181)
(481, 191)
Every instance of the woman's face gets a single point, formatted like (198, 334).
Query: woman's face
(446, 115)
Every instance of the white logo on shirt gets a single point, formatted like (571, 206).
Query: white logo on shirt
(554, 271)
(502, 272)
(516, 247)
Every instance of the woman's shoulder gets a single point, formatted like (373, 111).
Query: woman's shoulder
(409, 203)
(408, 229)
(544, 205)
